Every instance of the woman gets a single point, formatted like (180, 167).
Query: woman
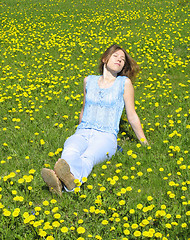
(96, 136)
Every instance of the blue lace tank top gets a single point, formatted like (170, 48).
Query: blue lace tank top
(103, 106)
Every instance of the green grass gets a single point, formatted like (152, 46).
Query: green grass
(47, 48)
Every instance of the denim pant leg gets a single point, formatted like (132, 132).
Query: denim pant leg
(86, 148)
(74, 147)
(101, 147)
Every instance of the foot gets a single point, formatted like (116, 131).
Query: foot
(62, 170)
(53, 182)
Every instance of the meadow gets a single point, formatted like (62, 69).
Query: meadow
(47, 48)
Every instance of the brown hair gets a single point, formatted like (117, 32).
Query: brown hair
(130, 68)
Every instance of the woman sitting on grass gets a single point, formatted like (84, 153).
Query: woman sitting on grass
(96, 136)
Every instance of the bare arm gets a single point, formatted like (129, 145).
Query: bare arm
(130, 111)
(82, 110)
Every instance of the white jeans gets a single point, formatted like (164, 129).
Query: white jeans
(86, 148)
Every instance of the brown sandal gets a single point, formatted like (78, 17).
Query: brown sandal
(51, 179)
(62, 170)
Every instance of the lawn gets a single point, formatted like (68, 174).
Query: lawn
(47, 48)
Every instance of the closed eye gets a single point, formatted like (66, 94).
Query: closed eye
(122, 59)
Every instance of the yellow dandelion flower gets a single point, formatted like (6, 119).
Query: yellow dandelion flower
(16, 212)
(55, 224)
(168, 216)
(146, 234)
(25, 215)
(77, 182)
(112, 229)
(80, 230)
(37, 209)
(42, 142)
(14, 192)
(145, 222)
(126, 232)
(51, 154)
(134, 226)
(137, 233)
(149, 169)
(1, 205)
(139, 206)
(122, 202)
(168, 225)
(80, 221)
(131, 211)
(105, 222)
(53, 201)
(83, 196)
(172, 195)
(140, 174)
(84, 179)
(128, 189)
(42, 233)
(126, 225)
(46, 165)
(104, 167)
(21, 180)
(129, 153)
(102, 189)
(47, 212)
(123, 191)
(50, 238)
(188, 213)
(32, 171)
(149, 198)
(55, 209)
(64, 229)
(57, 215)
(184, 225)
(45, 203)
(77, 189)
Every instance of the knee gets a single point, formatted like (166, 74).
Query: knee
(87, 161)
(70, 152)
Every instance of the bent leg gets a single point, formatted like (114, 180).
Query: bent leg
(74, 147)
(101, 146)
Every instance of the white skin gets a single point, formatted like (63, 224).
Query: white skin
(114, 65)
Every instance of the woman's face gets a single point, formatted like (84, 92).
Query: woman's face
(116, 62)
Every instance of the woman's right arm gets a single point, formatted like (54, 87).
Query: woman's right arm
(84, 91)
(131, 113)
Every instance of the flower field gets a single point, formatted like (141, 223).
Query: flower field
(47, 48)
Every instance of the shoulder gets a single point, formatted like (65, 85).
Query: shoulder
(90, 77)
(89, 80)
(127, 81)
(128, 87)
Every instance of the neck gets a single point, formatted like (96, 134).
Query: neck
(108, 76)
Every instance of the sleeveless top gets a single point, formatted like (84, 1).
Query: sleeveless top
(103, 106)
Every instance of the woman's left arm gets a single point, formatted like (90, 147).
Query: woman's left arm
(131, 113)
(84, 91)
